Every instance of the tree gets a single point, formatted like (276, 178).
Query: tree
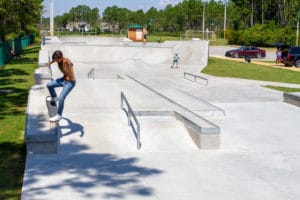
(19, 17)
(63, 20)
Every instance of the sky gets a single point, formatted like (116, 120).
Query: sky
(64, 6)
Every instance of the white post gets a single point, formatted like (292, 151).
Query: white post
(262, 11)
(51, 17)
(203, 20)
(297, 34)
(225, 18)
(252, 12)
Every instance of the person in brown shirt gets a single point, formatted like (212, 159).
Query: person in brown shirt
(68, 82)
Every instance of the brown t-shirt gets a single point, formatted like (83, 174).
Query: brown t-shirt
(66, 67)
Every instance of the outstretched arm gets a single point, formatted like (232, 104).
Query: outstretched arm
(48, 64)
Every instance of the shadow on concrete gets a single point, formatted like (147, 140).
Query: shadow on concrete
(71, 128)
(89, 175)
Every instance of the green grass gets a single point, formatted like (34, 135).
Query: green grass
(15, 80)
(282, 89)
(219, 42)
(228, 68)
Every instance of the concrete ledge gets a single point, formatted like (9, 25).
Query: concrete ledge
(42, 75)
(292, 98)
(205, 134)
(41, 136)
(43, 58)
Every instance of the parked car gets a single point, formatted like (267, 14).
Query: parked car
(291, 56)
(249, 51)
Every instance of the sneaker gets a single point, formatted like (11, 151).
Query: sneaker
(55, 118)
(53, 101)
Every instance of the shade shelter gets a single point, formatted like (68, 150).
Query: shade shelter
(135, 32)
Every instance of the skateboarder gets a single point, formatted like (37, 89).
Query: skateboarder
(175, 60)
(145, 33)
(68, 82)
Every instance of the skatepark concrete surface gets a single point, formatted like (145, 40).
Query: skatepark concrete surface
(259, 154)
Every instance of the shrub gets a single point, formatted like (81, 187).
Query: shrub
(262, 35)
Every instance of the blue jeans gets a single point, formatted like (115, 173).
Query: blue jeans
(67, 87)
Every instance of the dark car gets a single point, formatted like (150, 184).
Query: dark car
(291, 56)
(246, 51)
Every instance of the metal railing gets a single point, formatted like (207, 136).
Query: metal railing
(195, 77)
(50, 72)
(130, 116)
(91, 73)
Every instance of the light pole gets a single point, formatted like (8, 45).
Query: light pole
(297, 34)
(262, 11)
(225, 18)
(203, 21)
(51, 17)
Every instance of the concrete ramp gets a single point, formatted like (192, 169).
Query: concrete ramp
(113, 50)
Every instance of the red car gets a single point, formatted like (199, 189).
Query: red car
(248, 51)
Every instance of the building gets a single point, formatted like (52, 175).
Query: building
(135, 32)
(108, 27)
(79, 26)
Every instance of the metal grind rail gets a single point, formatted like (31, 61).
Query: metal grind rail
(195, 77)
(131, 116)
(50, 72)
(91, 73)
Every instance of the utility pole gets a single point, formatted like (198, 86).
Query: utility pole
(297, 34)
(51, 17)
(225, 18)
(262, 11)
(252, 12)
(203, 20)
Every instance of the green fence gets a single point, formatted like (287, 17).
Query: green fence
(18, 44)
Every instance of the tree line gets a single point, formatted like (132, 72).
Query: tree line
(242, 16)
(267, 21)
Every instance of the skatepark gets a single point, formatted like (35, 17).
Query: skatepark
(201, 137)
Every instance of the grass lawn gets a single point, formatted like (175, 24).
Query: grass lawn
(227, 68)
(283, 89)
(15, 80)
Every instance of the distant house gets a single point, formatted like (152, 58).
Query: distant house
(108, 27)
(80, 26)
